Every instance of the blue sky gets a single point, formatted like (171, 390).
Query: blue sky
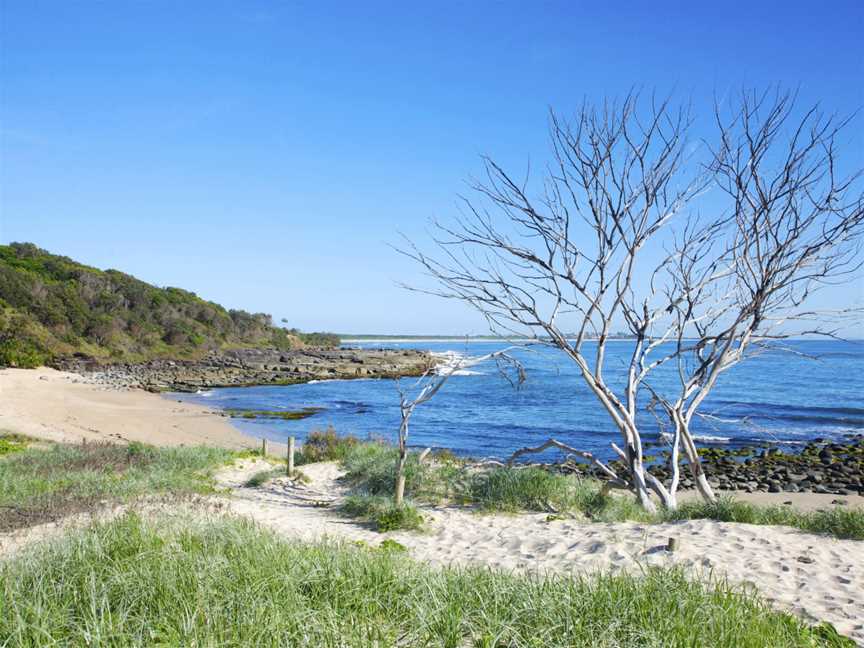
(264, 154)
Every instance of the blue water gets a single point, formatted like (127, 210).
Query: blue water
(776, 397)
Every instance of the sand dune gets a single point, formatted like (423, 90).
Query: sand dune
(818, 578)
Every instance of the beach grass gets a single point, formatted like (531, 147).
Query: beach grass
(39, 484)
(837, 521)
(226, 582)
(370, 471)
(381, 512)
(10, 442)
(325, 445)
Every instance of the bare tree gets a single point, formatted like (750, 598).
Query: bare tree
(429, 384)
(725, 286)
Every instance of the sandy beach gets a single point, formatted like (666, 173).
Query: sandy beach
(59, 406)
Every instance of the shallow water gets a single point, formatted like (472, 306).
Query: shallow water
(776, 397)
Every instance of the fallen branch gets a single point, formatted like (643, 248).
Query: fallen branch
(554, 443)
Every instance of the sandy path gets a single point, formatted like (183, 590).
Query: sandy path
(818, 578)
(59, 406)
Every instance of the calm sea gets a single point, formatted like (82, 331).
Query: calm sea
(780, 397)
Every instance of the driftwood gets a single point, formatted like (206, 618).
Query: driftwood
(571, 451)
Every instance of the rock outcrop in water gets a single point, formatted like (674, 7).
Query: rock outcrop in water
(245, 367)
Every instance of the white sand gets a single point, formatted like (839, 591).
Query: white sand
(816, 577)
(59, 406)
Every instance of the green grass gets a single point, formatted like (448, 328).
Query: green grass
(42, 485)
(838, 521)
(11, 442)
(371, 472)
(325, 445)
(228, 583)
(383, 513)
(263, 476)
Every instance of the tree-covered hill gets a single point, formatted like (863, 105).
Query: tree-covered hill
(52, 306)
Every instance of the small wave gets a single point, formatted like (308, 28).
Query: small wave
(205, 394)
(710, 438)
(449, 360)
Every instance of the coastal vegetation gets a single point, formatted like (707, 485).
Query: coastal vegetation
(444, 478)
(52, 306)
(44, 484)
(11, 442)
(429, 384)
(573, 252)
(325, 445)
(226, 582)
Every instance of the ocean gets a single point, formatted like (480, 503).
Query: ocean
(783, 398)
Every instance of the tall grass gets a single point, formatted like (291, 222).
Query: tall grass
(383, 513)
(325, 445)
(40, 485)
(227, 583)
(371, 472)
(838, 521)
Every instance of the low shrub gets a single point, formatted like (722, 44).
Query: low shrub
(11, 442)
(262, 477)
(325, 445)
(382, 513)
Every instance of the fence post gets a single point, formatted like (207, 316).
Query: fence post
(263, 447)
(291, 456)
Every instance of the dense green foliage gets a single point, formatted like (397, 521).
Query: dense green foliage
(225, 582)
(53, 306)
(41, 485)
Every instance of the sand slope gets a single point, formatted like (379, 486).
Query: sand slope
(59, 406)
(818, 578)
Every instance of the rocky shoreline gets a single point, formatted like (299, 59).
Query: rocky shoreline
(820, 466)
(247, 367)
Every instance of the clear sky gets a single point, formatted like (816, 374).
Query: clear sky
(264, 154)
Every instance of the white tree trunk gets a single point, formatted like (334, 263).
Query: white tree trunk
(399, 494)
(695, 464)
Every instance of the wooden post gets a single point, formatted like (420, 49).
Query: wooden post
(291, 456)
(672, 545)
(263, 447)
